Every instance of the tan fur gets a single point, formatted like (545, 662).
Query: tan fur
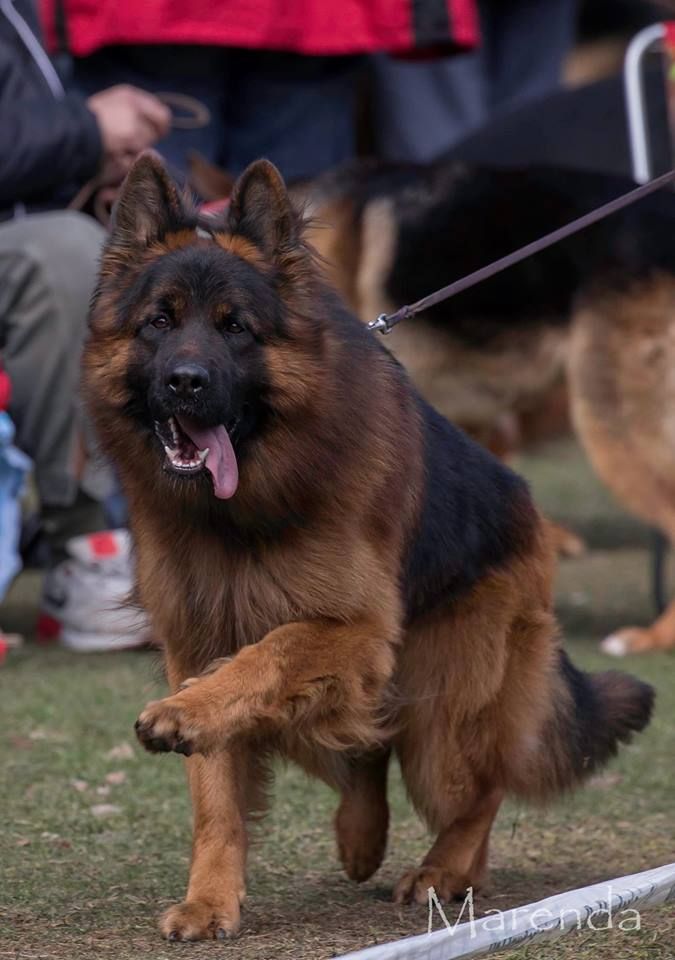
(474, 387)
(622, 385)
(172, 241)
(242, 248)
(594, 60)
(330, 234)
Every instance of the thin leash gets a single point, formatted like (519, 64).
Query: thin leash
(187, 113)
(386, 322)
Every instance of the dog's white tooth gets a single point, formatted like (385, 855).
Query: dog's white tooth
(203, 454)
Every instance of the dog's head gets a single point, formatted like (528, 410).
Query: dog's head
(194, 327)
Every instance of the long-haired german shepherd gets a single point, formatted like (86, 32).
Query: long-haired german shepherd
(336, 572)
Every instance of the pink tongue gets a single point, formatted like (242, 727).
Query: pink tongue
(221, 461)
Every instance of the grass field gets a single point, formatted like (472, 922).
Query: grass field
(96, 833)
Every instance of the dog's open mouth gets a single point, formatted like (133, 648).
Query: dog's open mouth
(191, 448)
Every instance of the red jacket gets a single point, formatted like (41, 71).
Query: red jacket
(304, 26)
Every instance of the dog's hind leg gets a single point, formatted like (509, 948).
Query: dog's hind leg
(446, 768)
(362, 819)
(462, 680)
(458, 858)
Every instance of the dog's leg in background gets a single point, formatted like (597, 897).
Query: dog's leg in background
(362, 819)
(217, 884)
(659, 636)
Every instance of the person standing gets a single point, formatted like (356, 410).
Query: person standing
(422, 109)
(52, 141)
(278, 79)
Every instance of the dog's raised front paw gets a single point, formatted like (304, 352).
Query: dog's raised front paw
(172, 724)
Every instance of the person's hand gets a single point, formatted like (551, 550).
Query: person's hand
(130, 120)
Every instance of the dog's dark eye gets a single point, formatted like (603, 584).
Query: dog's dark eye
(231, 326)
(160, 322)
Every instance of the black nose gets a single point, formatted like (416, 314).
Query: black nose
(186, 380)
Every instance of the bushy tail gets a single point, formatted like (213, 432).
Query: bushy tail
(593, 714)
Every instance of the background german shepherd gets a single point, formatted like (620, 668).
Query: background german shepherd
(621, 369)
(336, 572)
(391, 235)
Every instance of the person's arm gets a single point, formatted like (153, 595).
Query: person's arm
(44, 144)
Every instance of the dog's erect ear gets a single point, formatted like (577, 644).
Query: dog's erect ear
(261, 211)
(148, 205)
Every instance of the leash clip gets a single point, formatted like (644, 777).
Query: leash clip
(381, 324)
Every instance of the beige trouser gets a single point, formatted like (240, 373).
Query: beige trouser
(48, 265)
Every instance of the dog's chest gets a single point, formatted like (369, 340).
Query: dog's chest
(217, 600)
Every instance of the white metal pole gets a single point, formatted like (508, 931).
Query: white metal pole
(638, 134)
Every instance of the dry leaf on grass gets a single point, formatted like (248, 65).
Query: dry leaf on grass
(116, 777)
(105, 810)
(18, 742)
(603, 781)
(123, 751)
(53, 736)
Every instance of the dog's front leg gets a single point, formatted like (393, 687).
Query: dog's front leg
(217, 873)
(322, 678)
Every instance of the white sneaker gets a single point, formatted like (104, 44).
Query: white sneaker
(84, 599)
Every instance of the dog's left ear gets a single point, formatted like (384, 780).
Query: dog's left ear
(148, 205)
(260, 210)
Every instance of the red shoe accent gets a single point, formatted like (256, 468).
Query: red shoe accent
(103, 544)
(47, 629)
(5, 389)
(4, 647)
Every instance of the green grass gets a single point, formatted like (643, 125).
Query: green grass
(77, 885)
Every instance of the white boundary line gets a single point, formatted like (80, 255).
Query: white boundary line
(558, 915)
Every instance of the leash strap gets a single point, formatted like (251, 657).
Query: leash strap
(187, 113)
(386, 322)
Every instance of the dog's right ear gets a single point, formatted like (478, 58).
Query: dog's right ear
(261, 211)
(148, 207)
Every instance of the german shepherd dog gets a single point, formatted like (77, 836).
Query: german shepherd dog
(337, 574)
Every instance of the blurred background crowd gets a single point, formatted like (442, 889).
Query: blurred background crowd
(212, 85)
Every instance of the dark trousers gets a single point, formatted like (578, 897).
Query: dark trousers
(295, 110)
(423, 109)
